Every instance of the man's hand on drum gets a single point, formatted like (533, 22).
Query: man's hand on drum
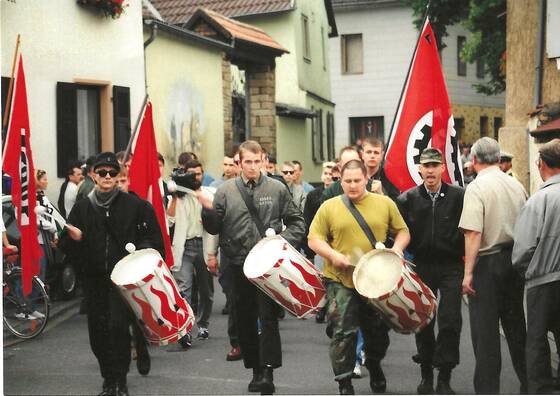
(339, 260)
(212, 264)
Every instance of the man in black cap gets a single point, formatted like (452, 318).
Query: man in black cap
(99, 227)
(432, 212)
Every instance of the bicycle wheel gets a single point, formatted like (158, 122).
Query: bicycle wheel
(25, 317)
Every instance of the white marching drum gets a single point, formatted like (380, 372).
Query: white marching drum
(389, 284)
(286, 276)
(151, 292)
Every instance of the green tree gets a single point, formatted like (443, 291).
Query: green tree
(486, 21)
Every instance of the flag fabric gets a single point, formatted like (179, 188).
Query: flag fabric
(145, 176)
(423, 119)
(18, 163)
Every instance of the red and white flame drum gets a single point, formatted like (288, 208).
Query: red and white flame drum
(149, 288)
(286, 276)
(389, 284)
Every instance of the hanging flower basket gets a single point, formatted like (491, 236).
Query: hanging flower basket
(110, 8)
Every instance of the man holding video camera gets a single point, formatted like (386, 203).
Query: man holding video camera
(188, 252)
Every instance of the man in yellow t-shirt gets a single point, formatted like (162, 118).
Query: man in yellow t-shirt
(336, 236)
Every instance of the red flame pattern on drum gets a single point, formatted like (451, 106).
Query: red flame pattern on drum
(150, 323)
(421, 309)
(167, 310)
(404, 319)
(178, 299)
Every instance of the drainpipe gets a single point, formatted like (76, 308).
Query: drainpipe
(247, 104)
(540, 52)
(149, 41)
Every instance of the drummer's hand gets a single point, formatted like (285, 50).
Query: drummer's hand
(212, 264)
(398, 250)
(13, 248)
(467, 285)
(74, 232)
(204, 200)
(339, 260)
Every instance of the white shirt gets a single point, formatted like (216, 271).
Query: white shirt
(70, 197)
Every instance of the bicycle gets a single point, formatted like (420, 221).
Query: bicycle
(24, 316)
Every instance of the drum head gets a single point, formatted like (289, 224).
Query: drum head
(135, 267)
(263, 256)
(377, 273)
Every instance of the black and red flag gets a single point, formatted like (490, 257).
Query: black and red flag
(423, 119)
(18, 163)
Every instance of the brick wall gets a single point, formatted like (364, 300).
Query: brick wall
(262, 81)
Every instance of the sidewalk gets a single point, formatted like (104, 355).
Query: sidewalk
(60, 311)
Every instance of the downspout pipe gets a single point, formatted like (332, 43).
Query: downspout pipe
(540, 52)
(150, 40)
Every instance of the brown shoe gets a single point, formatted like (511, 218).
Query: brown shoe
(234, 354)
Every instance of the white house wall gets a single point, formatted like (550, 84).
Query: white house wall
(387, 36)
(62, 41)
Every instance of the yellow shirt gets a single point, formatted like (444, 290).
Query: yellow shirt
(335, 225)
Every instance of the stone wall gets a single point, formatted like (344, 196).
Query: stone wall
(471, 116)
(263, 106)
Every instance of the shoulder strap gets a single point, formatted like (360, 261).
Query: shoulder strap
(250, 206)
(360, 219)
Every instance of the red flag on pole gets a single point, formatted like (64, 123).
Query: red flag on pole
(423, 119)
(144, 174)
(18, 163)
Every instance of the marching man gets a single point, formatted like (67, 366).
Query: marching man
(336, 236)
(432, 211)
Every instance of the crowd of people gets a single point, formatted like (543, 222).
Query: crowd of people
(486, 241)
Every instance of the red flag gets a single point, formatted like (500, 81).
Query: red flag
(144, 175)
(423, 119)
(18, 163)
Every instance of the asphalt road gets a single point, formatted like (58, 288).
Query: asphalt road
(60, 362)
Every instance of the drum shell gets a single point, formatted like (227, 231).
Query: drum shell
(164, 316)
(409, 306)
(289, 279)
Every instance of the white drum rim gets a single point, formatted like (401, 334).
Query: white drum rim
(118, 276)
(360, 268)
(256, 265)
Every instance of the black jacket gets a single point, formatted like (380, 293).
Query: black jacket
(434, 232)
(313, 202)
(105, 233)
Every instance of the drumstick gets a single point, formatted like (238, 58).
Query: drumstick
(41, 210)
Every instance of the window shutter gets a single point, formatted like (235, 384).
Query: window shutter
(121, 117)
(66, 126)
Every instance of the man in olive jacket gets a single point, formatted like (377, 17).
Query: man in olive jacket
(230, 218)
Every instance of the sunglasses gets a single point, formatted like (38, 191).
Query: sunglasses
(335, 178)
(288, 172)
(104, 172)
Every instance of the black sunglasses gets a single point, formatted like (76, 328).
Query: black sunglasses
(104, 172)
(288, 172)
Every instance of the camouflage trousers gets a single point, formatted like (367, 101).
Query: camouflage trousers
(347, 312)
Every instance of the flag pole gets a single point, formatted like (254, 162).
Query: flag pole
(10, 86)
(135, 130)
(408, 74)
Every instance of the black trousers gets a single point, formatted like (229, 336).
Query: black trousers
(444, 279)
(543, 315)
(109, 318)
(226, 280)
(260, 348)
(498, 298)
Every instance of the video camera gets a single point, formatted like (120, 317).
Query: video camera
(184, 179)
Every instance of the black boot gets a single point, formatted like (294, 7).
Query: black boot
(109, 388)
(122, 389)
(254, 385)
(426, 386)
(345, 387)
(377, 380)
(267, 382)
(443, 387)
(143, 363)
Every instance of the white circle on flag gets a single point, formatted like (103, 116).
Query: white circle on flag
(415, 144)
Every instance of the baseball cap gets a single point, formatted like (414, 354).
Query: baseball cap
(431, 155)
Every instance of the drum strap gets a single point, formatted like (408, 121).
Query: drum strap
(360, 219)
(250, 206)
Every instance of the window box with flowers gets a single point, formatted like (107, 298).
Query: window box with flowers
(110, 8)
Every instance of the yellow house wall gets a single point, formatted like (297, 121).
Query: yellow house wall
(471, 115)
(185, 87)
